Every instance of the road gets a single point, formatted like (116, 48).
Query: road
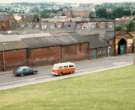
(7, 79)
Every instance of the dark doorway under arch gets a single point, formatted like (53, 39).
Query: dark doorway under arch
(122, 46)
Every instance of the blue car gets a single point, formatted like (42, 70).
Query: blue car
(24, 70)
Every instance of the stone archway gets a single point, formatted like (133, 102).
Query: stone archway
(122, 47)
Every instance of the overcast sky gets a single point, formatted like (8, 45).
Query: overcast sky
(72, 1)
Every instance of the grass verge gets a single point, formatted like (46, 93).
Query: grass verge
(112, 90)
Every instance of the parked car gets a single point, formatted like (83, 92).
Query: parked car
(63, 68)
(24, 70)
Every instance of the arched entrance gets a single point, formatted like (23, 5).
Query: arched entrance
(122, 45)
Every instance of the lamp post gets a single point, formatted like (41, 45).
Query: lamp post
(3, 56)
(134, 50)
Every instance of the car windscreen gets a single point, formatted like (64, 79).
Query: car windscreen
(21, 69)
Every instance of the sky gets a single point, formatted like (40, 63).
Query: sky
(69, 1)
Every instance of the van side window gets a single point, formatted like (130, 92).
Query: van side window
(65, 66)
(71, 66)
(60, 67)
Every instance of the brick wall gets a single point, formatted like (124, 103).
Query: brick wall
(43, 56)
(12, 58)
(1, 62)
(80, 13)
(4, 25)
(51, 55)
(75, 52)
(102, 52)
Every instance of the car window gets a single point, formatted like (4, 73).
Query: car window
(26, 69)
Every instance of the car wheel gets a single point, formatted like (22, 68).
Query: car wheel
(34, 73)
(22, 74)
(16, 75)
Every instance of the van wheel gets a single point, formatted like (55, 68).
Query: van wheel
(61, 73)
(73, 71)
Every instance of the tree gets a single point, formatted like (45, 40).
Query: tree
(36, 18)
(121, 27)
(101, 12)
(112, 11)
(47, 13)
(131, 26)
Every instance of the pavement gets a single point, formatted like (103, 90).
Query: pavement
(8, 80)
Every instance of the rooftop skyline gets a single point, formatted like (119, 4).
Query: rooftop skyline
(67, 1)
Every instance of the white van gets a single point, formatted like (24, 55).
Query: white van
(63, 68)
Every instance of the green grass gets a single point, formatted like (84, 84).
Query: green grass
(111, 90)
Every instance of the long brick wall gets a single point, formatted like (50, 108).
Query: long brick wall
(51, 55)
(43, 56)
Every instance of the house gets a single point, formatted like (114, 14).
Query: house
(82, 10)
(76, 24)
(27, 21)
(124, 20)
(77, 12)
(5, 21)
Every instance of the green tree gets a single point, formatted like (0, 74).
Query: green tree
(101, 13)
(36, 18)
(131, 26)
(121, 27)
(47, 13)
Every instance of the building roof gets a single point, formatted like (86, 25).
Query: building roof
(124, 34)
(48, 40)
(18, 37)
(12, 45)
(95, 19)
(95, 41)
(54, 40)
(133, 34)
(76, 19)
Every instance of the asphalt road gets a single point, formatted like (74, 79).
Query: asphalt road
(8, 80)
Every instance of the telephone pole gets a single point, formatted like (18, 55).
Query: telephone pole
(134, 51)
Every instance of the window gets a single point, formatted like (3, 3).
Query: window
(69, 25)
(71, 66)
(60, 67)
(65, 66)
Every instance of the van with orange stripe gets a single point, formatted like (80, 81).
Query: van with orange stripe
(63, 68)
